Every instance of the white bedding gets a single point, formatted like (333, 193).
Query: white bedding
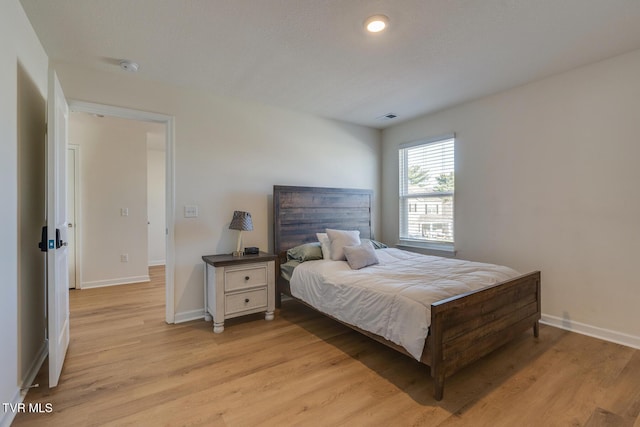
(393, 298)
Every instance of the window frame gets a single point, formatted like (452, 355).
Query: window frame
(404, 198)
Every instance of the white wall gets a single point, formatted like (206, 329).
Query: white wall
(18, 43)
(156, 198)
(32, 211)
(547, 178)
(113, 176)
(228, 155)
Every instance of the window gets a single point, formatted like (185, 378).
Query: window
(432, 208)
(426, 191)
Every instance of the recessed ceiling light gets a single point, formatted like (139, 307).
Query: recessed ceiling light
(377, 23)
(127, 65)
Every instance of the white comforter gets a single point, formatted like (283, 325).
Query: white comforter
(392, 299)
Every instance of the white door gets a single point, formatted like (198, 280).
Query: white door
(57, 264)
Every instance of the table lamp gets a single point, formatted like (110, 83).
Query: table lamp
(241, 221)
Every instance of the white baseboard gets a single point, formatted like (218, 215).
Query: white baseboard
(187, 316)
(27, 381)
(114, 282)
(6, 417)
(157, 262)
(592, 331)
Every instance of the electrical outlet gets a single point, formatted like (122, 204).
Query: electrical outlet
(124, 257)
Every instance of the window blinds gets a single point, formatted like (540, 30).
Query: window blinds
(427, 182)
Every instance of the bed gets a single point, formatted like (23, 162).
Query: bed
(462, 328)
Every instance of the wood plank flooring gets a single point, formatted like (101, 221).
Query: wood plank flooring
(127, 367)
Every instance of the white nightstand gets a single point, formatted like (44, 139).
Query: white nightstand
(236, 286)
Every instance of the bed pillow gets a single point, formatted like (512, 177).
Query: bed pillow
(305, 252)
(286, 269)
(323, 238)
(338, 239)
(361, 256)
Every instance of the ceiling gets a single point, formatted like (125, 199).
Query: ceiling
(314, 55)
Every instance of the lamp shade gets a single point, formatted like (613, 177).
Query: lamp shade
(241, 221)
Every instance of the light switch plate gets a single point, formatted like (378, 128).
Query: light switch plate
(190, 211)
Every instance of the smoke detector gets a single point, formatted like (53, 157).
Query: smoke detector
(130, 66)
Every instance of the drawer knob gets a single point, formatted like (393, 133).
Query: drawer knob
(246, 300)
(246, 277)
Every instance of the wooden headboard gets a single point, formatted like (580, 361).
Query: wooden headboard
(301, 212)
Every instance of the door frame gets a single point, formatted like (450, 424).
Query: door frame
(169, 122)
(76, 213)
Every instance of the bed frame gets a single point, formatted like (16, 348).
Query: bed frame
(463, 329)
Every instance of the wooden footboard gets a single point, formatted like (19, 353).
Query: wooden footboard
(466, 327)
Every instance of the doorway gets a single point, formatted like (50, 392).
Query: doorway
(124, 211)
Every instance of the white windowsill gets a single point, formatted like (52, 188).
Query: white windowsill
(428, 248)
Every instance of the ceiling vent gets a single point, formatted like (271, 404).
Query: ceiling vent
(388, 116)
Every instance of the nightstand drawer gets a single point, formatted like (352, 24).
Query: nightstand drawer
(248, 277)
(240, 302)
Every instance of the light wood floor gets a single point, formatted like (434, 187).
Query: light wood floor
(126, 367)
